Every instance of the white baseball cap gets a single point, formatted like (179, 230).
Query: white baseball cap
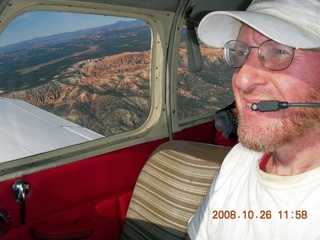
(294, 23)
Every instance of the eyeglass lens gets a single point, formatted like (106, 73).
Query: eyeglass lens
(272, 55)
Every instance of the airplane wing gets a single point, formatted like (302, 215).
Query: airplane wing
(27, 130)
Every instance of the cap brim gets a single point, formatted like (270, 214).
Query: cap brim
(217, 28)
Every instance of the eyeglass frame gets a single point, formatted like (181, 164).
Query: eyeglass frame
(259, 54)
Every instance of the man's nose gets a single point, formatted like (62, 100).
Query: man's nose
(251, 74)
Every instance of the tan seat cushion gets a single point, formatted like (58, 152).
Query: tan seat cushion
(169, 189)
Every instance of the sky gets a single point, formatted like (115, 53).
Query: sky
(45, 23)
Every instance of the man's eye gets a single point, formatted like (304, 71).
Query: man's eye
(280, 51)
(241, 53)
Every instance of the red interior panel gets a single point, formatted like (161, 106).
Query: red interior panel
(203, 133)
(98, 188)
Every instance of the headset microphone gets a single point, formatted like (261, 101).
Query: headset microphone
(273, 105)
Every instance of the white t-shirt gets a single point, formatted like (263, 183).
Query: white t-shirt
(248, 203)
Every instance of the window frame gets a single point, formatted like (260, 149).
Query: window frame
(155, 126)
(184, 123)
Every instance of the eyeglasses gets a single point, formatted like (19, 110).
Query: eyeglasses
(272, 55)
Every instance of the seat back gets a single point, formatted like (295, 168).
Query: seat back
(169, 189)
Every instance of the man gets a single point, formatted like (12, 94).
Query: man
(269, 184)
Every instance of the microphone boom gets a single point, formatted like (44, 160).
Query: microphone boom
(273, 105)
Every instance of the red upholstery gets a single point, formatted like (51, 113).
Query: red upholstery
(99, 188)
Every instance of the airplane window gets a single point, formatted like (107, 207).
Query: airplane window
(207, 90)
(67, 78)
